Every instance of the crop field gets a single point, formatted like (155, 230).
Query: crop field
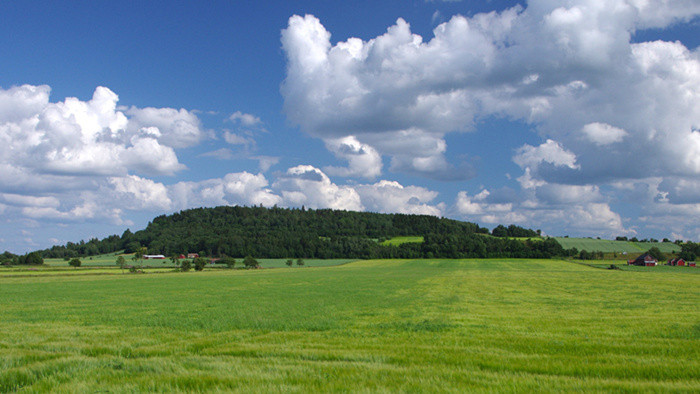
(608, 246)
(373, 326)
(396, 241)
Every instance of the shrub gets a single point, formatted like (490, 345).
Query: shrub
(228, 261)
(289, 262)
(300, 262)
(75, 262)
(250, 262)
(199, 263)
(185, 265)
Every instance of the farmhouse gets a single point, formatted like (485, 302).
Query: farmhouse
(154, 256)
(192, 255)
(676, 262)
(645, 260)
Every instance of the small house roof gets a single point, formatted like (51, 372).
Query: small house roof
(644, 257)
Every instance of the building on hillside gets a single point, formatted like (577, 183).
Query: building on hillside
(192, 255)
(153, 256)
(645, 260)
(676, 262)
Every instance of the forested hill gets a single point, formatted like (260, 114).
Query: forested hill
(281, 232)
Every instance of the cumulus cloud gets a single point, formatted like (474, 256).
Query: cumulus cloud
(79, 138)
(603, 104)
(140, 193)
(390, 196)
(562, 210)
(363, 160)
(603, 134)
(245, 119)
(175, 128)
(549, 152)
(309, 186)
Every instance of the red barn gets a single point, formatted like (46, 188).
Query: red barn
(676, 262)
(691, 264)
(645, 260)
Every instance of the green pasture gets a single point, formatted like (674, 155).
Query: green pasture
(608, 246)
(661, 268)
(371, 326)
(396, 241)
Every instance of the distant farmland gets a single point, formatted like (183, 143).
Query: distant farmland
(607, 246)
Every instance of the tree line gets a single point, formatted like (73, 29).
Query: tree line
(308, 233)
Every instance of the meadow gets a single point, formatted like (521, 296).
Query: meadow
(609, 246)
(396, 241)
(386, 325)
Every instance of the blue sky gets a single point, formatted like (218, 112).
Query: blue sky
(579, 118)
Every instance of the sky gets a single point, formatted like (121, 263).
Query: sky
(574, 117)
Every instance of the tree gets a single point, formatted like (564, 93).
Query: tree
(655, 253)
(229, 262)
(34, 258)
(139, 253)
(75, 262)
(200, 263)
(300, 262)
(173, 258)
(500, 231)
(250, 262)
(121, 262)
(289, 263)
(185, 265)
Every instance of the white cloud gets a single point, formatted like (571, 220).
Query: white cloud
(390, 196)
(580, 217)
(603, 134)
(245, 119)
(309, 186)
(177, 128)
(241, 188)
(609, 111)
(31, 201)
(549, 152)
(363, 160)
(47, 140)
(140, 193)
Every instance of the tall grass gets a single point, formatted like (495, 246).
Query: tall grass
(421, 325)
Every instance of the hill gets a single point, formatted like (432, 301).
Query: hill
(307, 233)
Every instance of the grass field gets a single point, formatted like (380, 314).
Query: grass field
(608, 246)
(110, 259)
(396, 241)
(373, 326)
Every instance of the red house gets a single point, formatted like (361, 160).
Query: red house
(645, 260)
(691, 264)
(676, 262)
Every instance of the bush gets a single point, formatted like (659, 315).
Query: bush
(300, 262)
(229, 262)
(185, 265)
(289, 262)
(250, 262)
(199, 263)
(75, 262)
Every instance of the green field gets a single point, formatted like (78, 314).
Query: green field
(110, 259)
(373, 326)
(396, 241)
(608, 246)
